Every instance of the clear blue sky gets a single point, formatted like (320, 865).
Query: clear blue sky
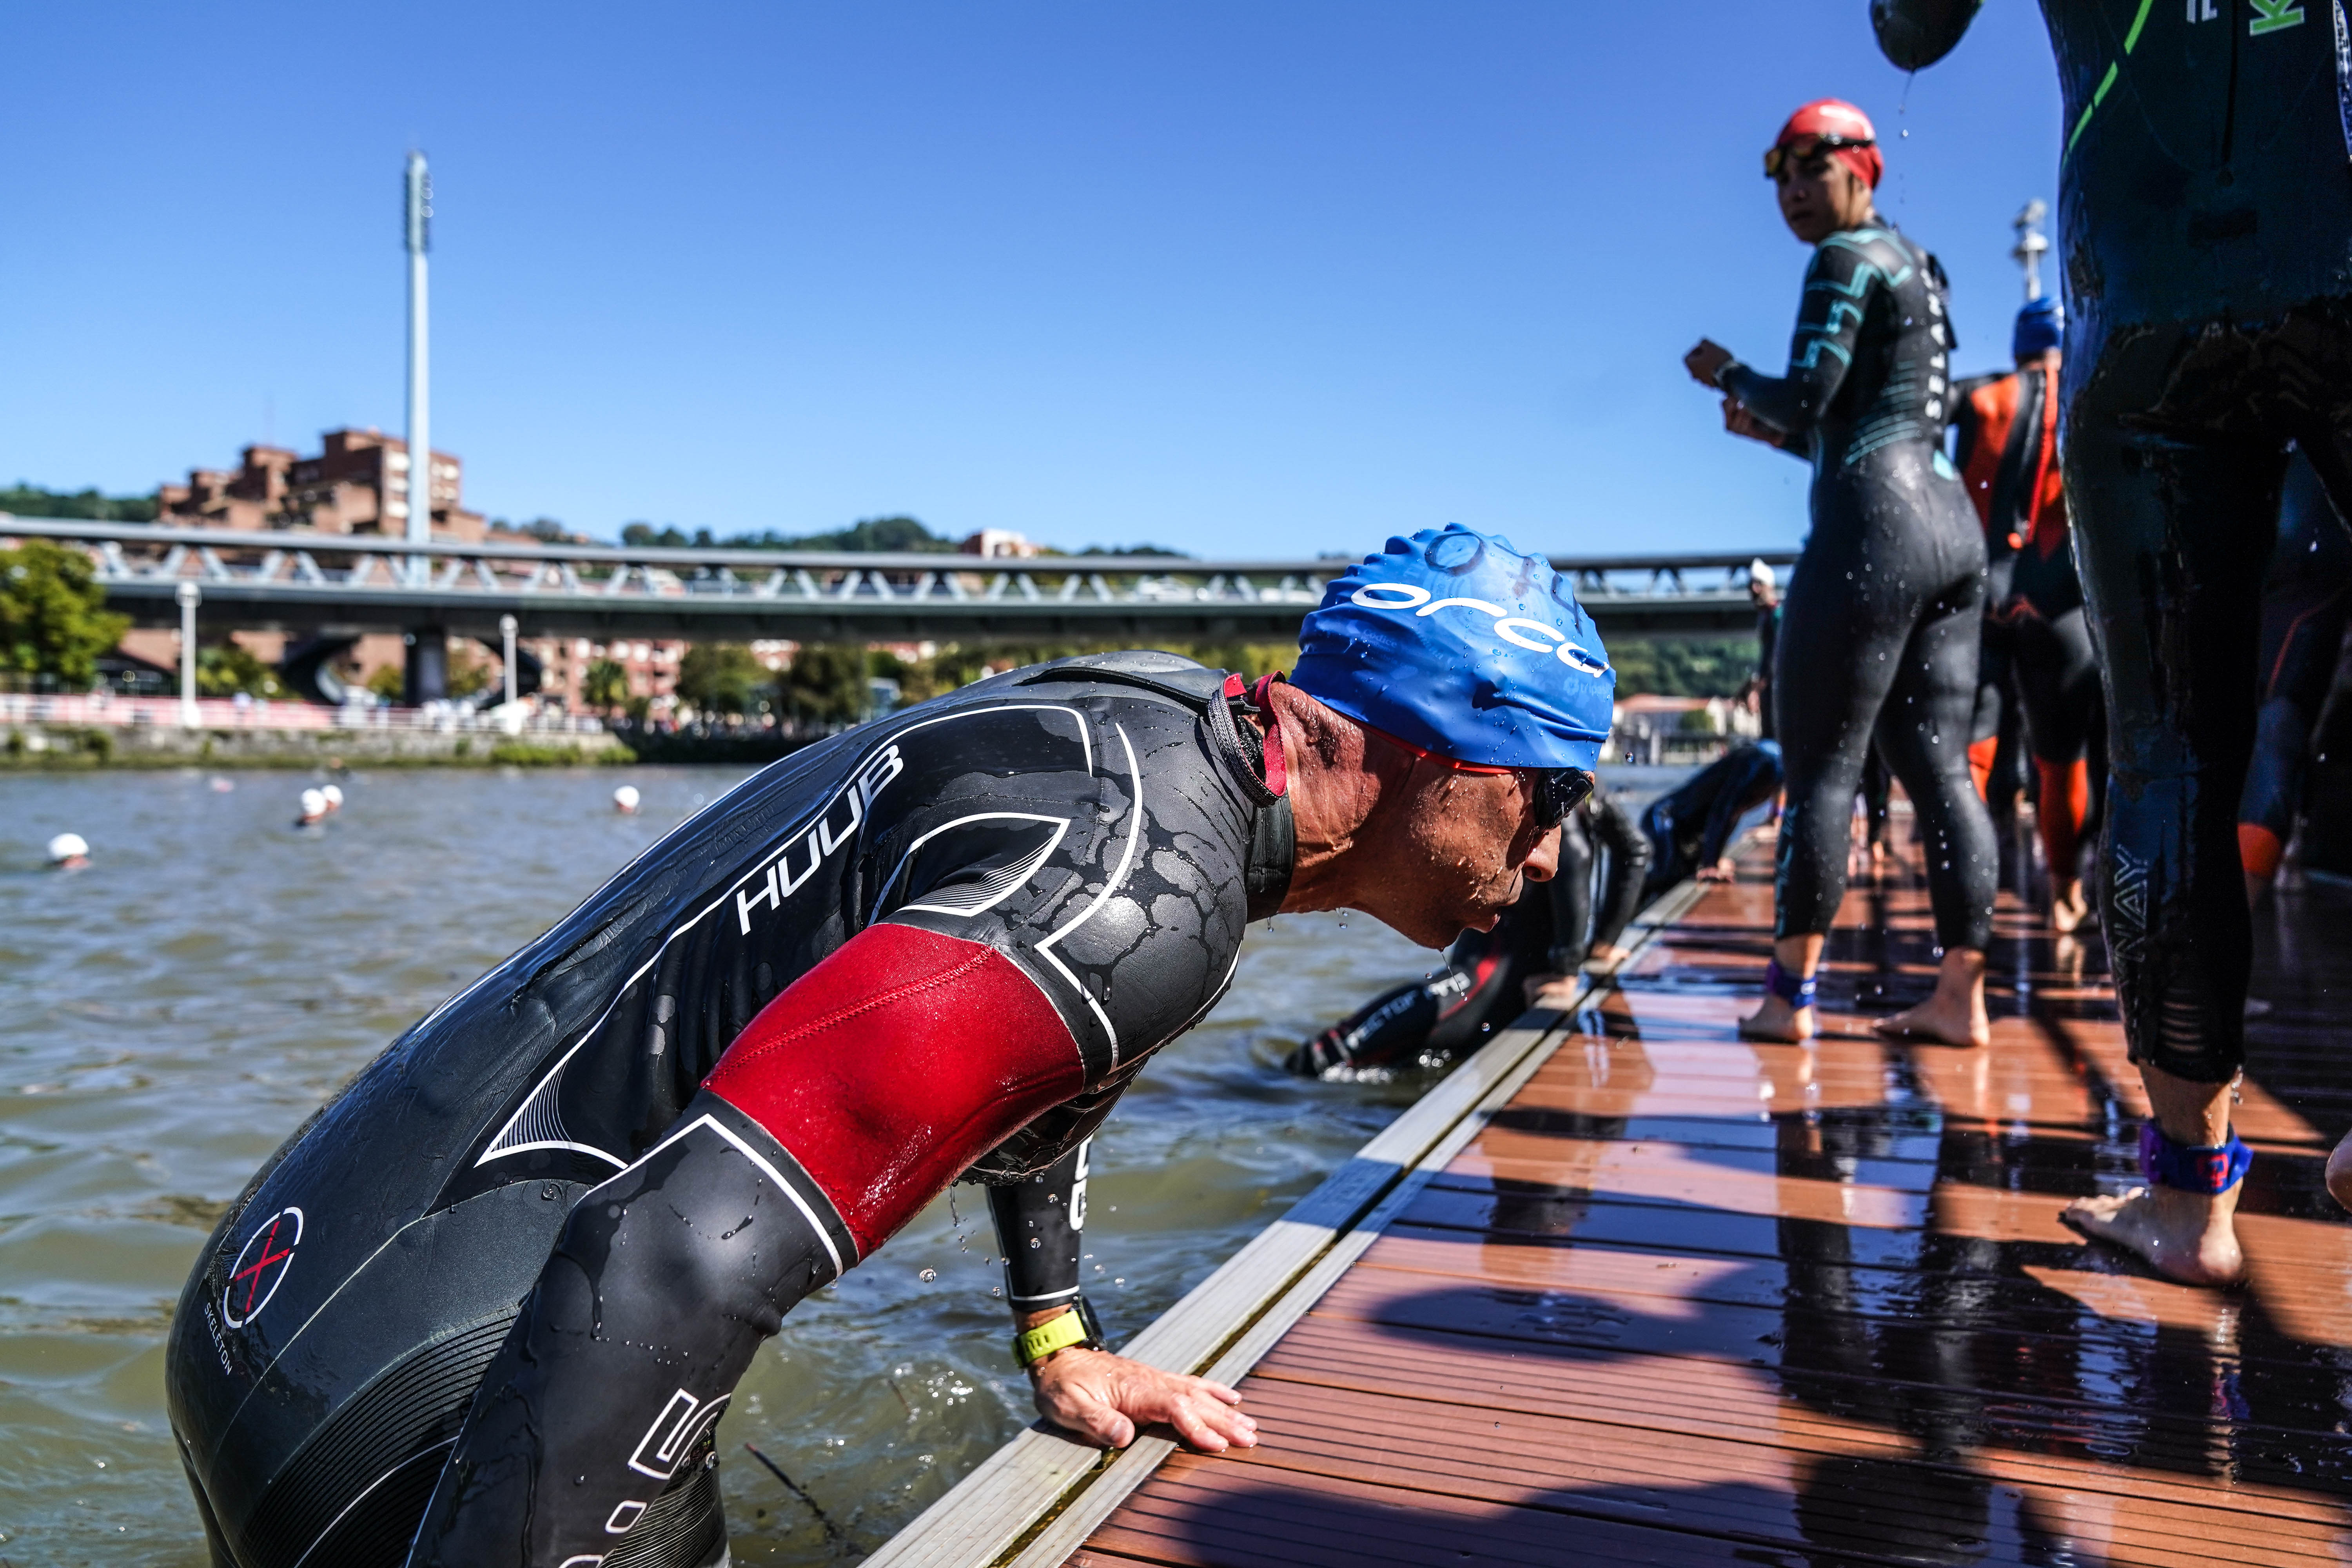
(1239, 279)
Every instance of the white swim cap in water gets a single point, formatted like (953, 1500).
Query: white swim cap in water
(333, 793)
(68, 846)
(626, 798)
(313, 804)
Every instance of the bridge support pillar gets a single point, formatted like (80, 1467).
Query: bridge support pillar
(425, 676)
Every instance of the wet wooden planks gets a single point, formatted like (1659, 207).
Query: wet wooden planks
(1690, 1299)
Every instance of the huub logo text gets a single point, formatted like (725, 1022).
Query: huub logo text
(1516, 630)
(779, 880)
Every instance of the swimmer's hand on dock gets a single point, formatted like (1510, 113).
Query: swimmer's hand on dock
(1105, 1398)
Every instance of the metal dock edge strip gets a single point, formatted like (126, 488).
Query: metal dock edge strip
(1224, 1324)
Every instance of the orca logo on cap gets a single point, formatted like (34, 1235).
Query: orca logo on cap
(1516, 630)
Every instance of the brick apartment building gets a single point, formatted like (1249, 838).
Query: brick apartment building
(358, 483)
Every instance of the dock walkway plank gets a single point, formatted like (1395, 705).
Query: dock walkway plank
(1689, 1299)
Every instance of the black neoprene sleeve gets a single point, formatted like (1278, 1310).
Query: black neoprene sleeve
(1040, 1225)
(1612, 827)
(1828, 321)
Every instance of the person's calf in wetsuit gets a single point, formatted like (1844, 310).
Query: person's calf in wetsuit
(939, 944)
(1488, 977)
(2009, 457)
(2306, 603)
(1879, 633)
(2206, 194)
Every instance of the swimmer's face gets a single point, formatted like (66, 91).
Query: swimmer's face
(1467, 845)
(1819, 196)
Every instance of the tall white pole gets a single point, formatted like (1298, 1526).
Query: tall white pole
(189, 597)
(417, 221)
(2030, 246)
(507, 630)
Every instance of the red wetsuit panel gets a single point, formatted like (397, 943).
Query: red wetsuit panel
(894, 1064)
(1995, 407)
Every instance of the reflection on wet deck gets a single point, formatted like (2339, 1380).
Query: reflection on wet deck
(1690, 1299)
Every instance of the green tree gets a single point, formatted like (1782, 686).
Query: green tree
(826, 683)
(31, 500)
(53, 616)
(721, 678)
(469, 676)
(389, 682)
(604, 684)
(1683, 666)
(231, 667)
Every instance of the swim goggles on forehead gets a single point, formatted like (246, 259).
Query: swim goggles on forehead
(1811, 151)
(1554, 792)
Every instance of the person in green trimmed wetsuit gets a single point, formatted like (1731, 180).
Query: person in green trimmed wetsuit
(2205, 205)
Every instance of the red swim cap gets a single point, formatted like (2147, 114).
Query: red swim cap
(1838, 121)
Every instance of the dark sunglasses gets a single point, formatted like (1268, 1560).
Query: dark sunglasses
(1811, 156)
(1560, 790)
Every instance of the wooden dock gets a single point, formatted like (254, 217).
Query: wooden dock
(1648, 1293)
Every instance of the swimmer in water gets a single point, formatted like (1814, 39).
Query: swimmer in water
(314, 808)
(625, 799)
(2206, 199)
(333, 795)
(68, 852)
(1879, 631)
(486, 1306)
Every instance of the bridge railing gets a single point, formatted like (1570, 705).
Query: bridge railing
(299, 563)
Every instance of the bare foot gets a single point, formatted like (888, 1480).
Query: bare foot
(2186, 1237)
(2068, 908)
(2339, 1172)
(1776, 1020)
(1952, 1020)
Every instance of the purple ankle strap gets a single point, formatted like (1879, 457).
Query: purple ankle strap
(2190, 1167)
(1796, 993)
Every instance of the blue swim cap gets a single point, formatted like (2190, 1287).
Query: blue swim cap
(2041, 326)
(1456, 643)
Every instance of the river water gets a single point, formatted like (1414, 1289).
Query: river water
(170, 1014)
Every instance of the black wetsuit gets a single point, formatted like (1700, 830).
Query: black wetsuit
(2035, 616)
(1482, 987)
(1879, 631)
(939, 943)
(2305, 605)
(2205, 197)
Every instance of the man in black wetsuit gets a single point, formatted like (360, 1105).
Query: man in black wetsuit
(2033, 614)
(2205, 193)
(504, 1283)
(1879, 632)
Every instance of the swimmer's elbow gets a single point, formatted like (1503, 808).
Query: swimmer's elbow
(1915, 33)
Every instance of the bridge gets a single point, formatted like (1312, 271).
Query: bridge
(344, 583)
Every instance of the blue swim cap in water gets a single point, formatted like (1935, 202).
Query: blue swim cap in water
(2041, 326)
(1456, 643)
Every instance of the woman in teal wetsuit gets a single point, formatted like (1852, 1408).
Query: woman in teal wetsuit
(1879, 634)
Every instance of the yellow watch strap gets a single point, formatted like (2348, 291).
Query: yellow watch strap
(1055, 1334)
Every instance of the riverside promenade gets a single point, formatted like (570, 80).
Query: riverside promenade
(1641, 1291)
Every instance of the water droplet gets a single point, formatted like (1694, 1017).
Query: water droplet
(996, 1289)
(1034, 1242)
(928, 1275)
